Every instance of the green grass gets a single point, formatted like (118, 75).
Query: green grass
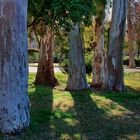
(57, 114)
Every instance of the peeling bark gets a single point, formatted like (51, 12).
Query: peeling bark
(77, 69)
(45, 73)
(115, 54)
(130, 36)
(14, 101)
(100, 57)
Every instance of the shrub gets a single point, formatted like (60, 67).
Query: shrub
(33, 55)
(88, 62)
(56, 58)
(126, 61)
(64, 65)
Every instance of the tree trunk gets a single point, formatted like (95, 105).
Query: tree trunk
(100, 58)
(45, 73)
(77, 69)
(115, 54)
(14, 101)
(130, 36)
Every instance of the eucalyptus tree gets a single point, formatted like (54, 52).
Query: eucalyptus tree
(58, 15)
(14, 101)
(137, 21)
(100, 55)
(77, 70)
(115, 53)
(43, 24)
(133, 23)
(131, 17)
(80, 12)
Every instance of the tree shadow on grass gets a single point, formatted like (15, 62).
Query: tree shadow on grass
(48, 123)
(129, 99)
(95, 124)
(85, 120)
(41, 101)
(133, 90)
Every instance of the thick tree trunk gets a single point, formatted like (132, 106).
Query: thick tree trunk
(77, 69)
(45, 73)
(100, 58)
(115, 54)
(130, 36)
(14, 101)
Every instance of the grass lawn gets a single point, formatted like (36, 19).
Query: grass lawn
(84, 115)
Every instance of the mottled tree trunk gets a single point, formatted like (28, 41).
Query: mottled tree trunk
(77, 69)
(131, 35)
(115, 54)
(45, 73)
(138, 44)
(100, 57)
(14, 101)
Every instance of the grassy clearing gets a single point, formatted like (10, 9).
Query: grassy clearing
(86, 115)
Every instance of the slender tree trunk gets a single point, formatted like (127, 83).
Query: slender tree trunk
(100, 57)
(115, 54)
(14, 101)
(130, 36)
(45, 73)
(77, 69)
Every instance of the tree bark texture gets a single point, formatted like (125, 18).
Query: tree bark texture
(100, 57)
(77, 69)
(45, 73)
(115, 54)
(131, 35)
(14, 101)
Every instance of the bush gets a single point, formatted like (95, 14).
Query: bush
(64, 65)
(33, 55)
(137, 62)
(56, 58)
(88, 62)
(126, 62)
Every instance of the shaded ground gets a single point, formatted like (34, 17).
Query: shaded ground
(86, 115)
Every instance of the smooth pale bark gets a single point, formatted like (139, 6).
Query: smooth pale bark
(77, 69)
(100, 57)
(115, 54)
(45, 73)
(131, 35)
(14, 101)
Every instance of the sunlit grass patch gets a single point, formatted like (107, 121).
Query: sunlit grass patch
(132, 80)
(110, 108)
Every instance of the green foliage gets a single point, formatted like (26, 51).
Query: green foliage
(59, 13)
(126, 62)
(138, 43)
(89, 62)
(33, 56)
(62, 49)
